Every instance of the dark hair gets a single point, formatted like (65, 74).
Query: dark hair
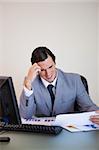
(40, 54)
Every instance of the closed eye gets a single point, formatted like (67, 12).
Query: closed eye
(46, 69)
(51, 66)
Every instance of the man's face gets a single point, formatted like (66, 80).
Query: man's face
(48, 70)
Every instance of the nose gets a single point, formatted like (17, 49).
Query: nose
(47, 72)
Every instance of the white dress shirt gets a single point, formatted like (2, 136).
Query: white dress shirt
(28, 92)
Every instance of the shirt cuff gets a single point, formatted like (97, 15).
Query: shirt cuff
(28, 93)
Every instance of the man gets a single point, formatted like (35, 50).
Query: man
(67, 88)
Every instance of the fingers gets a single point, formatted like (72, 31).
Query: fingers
(95, 119)
(97, 111)
(36, 68)
(33, 71)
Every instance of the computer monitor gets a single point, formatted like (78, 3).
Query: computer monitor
(9, 112)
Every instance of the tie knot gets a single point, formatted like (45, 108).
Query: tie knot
(50, 86)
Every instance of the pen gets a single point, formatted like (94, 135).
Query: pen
(90, 125)
(71, 126)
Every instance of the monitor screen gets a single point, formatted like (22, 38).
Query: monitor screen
(9, 111)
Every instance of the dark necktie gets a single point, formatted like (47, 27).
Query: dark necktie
(49, 87)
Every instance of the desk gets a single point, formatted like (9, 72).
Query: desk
(65, 141)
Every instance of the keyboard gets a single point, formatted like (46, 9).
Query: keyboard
(31, 128)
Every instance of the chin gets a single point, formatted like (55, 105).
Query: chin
(50, 80)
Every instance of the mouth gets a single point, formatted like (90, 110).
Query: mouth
(49, 78)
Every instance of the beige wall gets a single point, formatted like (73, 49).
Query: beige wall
(68, 29)
(98, 48)
(1, 15)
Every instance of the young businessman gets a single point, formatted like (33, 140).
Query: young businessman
(66, 88)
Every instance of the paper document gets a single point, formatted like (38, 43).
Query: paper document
(76, 122)
(73, 122)
(39, 121)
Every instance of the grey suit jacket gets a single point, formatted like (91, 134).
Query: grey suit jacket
(69, 88)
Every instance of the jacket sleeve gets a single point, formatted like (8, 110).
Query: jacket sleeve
(27, 106)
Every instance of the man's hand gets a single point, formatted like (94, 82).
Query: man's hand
(32, 73)
(95, 118)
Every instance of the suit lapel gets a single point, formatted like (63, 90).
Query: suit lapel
(59, 92)
(45, 96)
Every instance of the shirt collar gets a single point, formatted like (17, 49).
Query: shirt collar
(46, 83)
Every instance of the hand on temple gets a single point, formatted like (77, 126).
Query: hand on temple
(32, 73)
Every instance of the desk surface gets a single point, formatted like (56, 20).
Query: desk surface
(65, 140)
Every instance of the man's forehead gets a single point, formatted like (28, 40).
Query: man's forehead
(46, 63)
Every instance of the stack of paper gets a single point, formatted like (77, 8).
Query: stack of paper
(76, 122)
(73, 122)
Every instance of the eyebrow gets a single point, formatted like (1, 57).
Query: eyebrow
(47, 68)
